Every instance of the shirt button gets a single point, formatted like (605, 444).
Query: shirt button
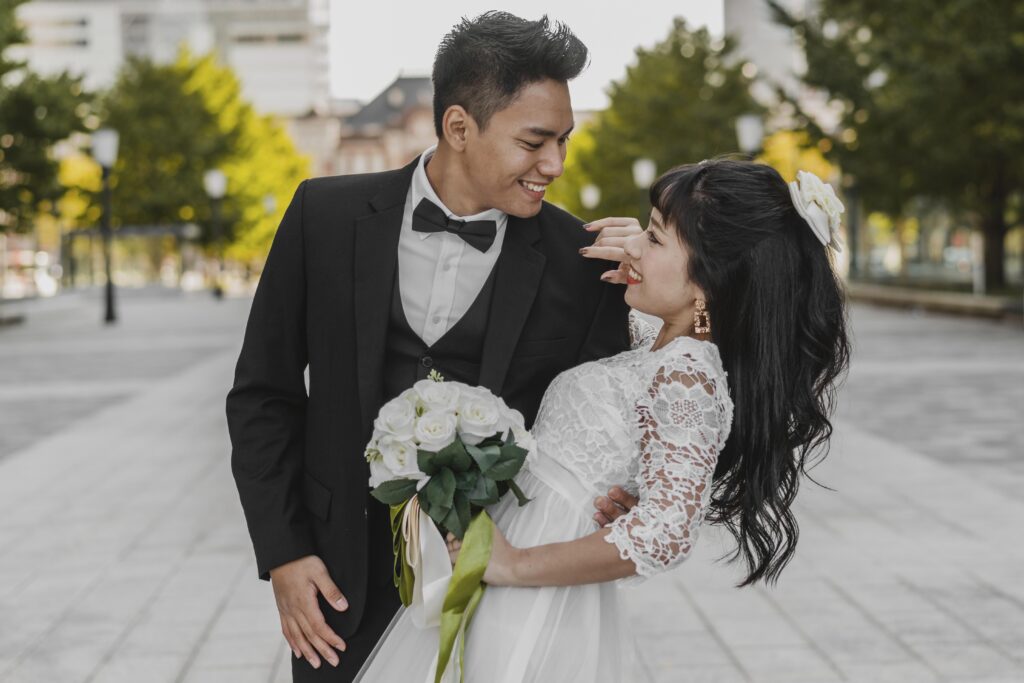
(427, 362)
(447, 267)
(436, 319)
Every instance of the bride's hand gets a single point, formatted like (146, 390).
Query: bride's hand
(612, 234)
(501, 567)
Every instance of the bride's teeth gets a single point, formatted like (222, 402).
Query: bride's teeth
(635, 275)
(532, 187)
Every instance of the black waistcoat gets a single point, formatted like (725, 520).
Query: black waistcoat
(408, 359)
(456, 355)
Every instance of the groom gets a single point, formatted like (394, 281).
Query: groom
(453, 263)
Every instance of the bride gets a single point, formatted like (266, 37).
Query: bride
(710, 419)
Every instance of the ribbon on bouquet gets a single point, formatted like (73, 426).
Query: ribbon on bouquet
(464, 591)
(426, 554)
(435, 593)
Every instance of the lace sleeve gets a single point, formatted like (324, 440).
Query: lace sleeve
(641, 332)
(682, 426)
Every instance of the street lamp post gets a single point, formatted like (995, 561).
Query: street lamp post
(749, 133)
(852, 225)
(590, 196)
(104, 150)
(644, 172)
(216, 185)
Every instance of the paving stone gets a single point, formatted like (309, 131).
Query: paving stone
(124, 554)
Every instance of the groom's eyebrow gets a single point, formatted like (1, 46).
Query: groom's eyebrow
(546, 133)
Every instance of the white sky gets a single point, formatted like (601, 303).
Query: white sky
(372, 42)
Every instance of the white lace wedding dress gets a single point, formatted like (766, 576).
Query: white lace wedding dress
(650, 421)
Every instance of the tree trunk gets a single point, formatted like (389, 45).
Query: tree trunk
(994, 229)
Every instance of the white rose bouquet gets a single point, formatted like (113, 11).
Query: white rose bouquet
(441, 452)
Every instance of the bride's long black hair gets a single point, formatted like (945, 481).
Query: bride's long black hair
(778, 318)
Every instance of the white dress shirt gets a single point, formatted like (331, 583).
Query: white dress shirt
(439, 274)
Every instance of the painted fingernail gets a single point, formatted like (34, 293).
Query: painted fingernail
(315, 663)
(584, 250)
(297, 654)
(341, 604)
(606, 277)
(586, 225)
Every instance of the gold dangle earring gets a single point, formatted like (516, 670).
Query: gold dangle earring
(701, 319)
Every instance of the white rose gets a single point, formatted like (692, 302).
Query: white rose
(479, 416)
(435, 430)
(437, 396)
(399, 457)
(379, 472)
(396, 418)
(523, 437)
(512, 420)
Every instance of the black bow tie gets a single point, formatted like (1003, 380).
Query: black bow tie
(429, 217)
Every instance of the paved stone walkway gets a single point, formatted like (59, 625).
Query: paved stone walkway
(124, 556)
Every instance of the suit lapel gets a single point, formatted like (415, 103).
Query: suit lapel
(376, 258)
(520, 267)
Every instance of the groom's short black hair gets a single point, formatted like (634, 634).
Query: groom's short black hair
(483, 63)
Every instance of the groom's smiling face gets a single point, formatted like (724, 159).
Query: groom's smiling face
(521, 151)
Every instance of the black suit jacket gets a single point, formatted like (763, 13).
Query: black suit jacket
(323, 300)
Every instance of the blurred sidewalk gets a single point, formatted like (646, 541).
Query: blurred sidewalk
(125, 556)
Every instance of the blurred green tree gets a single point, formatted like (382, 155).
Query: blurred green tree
(35, 113)
(932, 104)
(169, 138)
(263, 167)
(677, 104)
(178, 121)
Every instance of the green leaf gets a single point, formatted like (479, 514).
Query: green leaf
(467, 481)
(485, 492)
(456, 456)
(453, 524)
(511, 448)
(395, 491)
(441, 488)
(435, 512)
(427, 462)
(485, 456)
(509, 464)
(463, 511)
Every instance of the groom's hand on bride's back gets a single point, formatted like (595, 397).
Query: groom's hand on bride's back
(609, 508)
(296, 585)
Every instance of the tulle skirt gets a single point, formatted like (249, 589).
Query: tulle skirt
(563, 633)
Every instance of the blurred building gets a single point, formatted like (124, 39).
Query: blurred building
(317, 134)
(390, 130)
(278, 48)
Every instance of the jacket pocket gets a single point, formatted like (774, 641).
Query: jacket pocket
(317, 497)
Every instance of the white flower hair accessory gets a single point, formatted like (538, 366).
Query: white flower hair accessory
(817, 203)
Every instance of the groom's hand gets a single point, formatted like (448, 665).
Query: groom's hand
(296, 585)
(612, 234)
(613, 506)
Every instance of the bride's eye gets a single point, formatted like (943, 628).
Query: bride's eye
(651, 238)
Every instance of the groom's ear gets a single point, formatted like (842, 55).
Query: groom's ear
(456, 127)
